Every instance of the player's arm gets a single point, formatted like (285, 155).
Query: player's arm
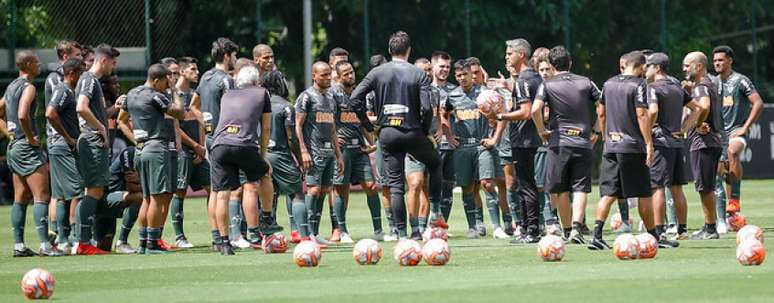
(537, 118)
(524, 111)
(25, 103)
(646, 126)
(306, 159)
(3, 124)
(446, 112)
(370, 147)
(336, 149)
(196, 107)
(116, 107)
(755, 112)
(123, 125)
(82, 107)
(691, 119)
(358, 101)
(176, 109)
(52, 115)
(265, 133)
(498, 133)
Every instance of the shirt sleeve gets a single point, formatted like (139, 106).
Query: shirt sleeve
(161, 102)
(521, 92)
(652, 95)
(87, 87)
(594, 91)
(686, 97)
(640, 99)
(541, 93)
(746, 87)
(358, 101)
(302, 103)
(58, 99)
(290, 116)
(700, 91)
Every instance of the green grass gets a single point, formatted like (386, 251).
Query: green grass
(480, 270)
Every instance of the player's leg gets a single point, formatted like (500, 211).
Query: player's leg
(22, 197)
(579, 172)
(524, 159)
(236, 215)
(414, 178)
(489, 170)
(340, 195)
(736, 146)
(39, 187)
(372, 199)
(447, 183)
(130, 202)
(93, 162)
(502, 199)
(225, 178)
(704, 164)
(184, 172)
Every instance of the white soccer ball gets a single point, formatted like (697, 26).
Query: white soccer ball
(407, 252)
(626, 247)
(489, 101)
(648, 246)
(307, 254)
(38, 283)
(367, 252)
(275, 243)
(436, 252)
(551, 248)
(751, 252)
(749, 232)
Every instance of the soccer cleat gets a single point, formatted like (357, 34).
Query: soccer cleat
(67, 248)
(321, 243)
(270, 228)
(641, 228)
(625, 228)
(672, 230)
(155, 248)
(704, 235)
(576, 237)
(722, 227)
(585, 231)
(733, 206)
(335, 235)
(345, 238)
(499, 233)
(87, 249)
(240, 243)
(481, 229)
(52, 237)
(663, 242)
(256, 243)
(226, 250)
(597, 244)
(416, 235)
(437, 220)
(183, 243)
(525, 239)
(472, 234)
(141, 250)
(216, 246)
(378, 236)
(26, 252)
(124, 248)
(554, 229)
(390, 238)
(509, 230)
(50, 251)
(518, 231)
(295, 237)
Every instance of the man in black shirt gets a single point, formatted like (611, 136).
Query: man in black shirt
(704, 138)
(570, 99)
(404, 112)
(628, 152)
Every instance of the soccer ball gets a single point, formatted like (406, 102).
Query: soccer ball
(616, 222)
(736, 221)
(307, 254)
(407, 253)
(626, 247)
(648, 246)
(749, 232)
(436, 233)
(750, 252)
(367, 252)
(436, 252)
(551, 248)
(38, 283)
(275, 243)
(490, 101)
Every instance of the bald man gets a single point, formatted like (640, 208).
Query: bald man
(263, 57)
(316, 114)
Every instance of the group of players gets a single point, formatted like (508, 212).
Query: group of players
(238, 137)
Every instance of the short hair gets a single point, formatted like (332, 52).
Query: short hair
(341, 64)
(87, 49)
(73, 65)
(440, 55)
(242, 62)
(540, 55)
(260, 49)
(520, 45)
(24, 57)
(422, 60)
(168, 61)
(461, 64)
(338, 51)
(634, 58)
(275, 83)
(377, 60)
(157, 71)
(399, 43)
(647, 52)
(65, 47)
(559, 57)
(185, 62)
(106, 51)
(724, 49)
(248, 76)
(221, 48)
(473, 61)
(697, 57)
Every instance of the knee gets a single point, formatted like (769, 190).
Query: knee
(488, 186)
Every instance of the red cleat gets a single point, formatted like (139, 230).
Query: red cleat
(335, 236)
(439, 222)
(733, 206)
(86, 249)
(295, 237)
(164, 245)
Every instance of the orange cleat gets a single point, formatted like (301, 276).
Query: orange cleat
(86, 249)
(733, 206)
(439, 222)
(335, 236)
(165, 246)
(295, 237)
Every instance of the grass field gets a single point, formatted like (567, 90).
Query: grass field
(482, 270)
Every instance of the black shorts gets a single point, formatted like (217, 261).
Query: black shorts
(704, 165)
(228, 160)
(668, 168)
(568, 169)
(624, 176)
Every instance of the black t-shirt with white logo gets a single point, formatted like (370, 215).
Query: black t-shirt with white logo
(622, 95)
(570, 99)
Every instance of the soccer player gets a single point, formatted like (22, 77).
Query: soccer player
(550, 219)
(124, 199)
(706, 128)
(666, 100)
(570, 99)
(738, 116)
(206, 105)
(628, 151)
(316, 114)
(476, 160)
(441, 67)
(263, 57)
(402, 103)
(155, 135)
(524, 137)
(477, 71)
(337, 54)
(193, 168)
(355, 150)
(26, 158)
(93, 143)
(63, 131)
(87, 52)
(236, 147)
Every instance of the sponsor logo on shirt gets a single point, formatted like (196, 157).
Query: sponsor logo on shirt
(323, 117)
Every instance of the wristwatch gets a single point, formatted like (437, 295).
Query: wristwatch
(499, 117)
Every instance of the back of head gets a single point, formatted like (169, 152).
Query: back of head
(421, 61)
(247, 76)
(338, 52)
(65, 47)
(106, 51)
(559, 57)
(242, 62)
(633, 59)
(520, 45)
(157, 71)
(73, 65)
(274, 82)
(377, 60)
(168, 61)
(221, 48)
(399, 44)
(24, 57)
